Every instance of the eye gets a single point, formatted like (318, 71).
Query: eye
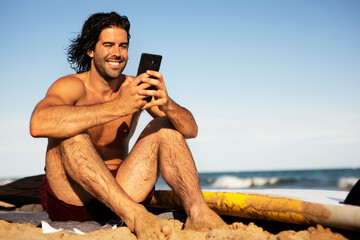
(107, 44)
(124, 46)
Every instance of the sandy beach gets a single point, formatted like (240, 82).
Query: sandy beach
(17, 225)
(237, 230)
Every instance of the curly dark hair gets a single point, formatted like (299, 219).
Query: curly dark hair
(77, 51)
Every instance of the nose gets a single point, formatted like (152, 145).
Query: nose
(117, 51)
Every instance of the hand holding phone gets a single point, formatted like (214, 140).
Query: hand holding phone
(149, 62)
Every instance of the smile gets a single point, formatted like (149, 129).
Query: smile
(114, 64)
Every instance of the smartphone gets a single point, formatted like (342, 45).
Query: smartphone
(149, 62)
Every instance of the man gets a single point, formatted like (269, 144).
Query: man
(89, 118)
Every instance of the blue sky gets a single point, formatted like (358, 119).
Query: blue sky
(272, 84)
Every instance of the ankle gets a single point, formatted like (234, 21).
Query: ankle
(131, 216)
(197, 210)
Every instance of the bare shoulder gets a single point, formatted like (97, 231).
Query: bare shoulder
(73, 82)
(69, 88)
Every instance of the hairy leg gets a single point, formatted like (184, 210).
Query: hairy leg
(86, 168)
(137, 175)
(161, 148)
(178, 169)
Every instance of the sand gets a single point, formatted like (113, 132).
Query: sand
(17, 231)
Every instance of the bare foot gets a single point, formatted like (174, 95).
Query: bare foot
(148, 226)
(204, 220)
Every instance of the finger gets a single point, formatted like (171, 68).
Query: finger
(152, 81)
(144, 86)
(147, 106)
(137, 80)
(155, 74)
(147, 93)
(161, 94)
(154, 103)
(144, 75)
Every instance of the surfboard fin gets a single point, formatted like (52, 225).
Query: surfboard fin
(353, 198)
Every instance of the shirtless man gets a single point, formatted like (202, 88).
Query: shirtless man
(89, 118)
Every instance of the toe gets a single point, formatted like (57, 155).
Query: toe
(166, 229)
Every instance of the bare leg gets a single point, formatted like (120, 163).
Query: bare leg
(82, 164)
(179, 171)
(160, 147)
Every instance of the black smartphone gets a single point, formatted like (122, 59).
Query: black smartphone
(149, 62)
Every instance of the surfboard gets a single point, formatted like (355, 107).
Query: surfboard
(305, 207)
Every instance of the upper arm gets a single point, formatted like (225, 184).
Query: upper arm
(65, 91)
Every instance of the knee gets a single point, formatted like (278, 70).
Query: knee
(163, 128)
(161, 123)
(78, 141)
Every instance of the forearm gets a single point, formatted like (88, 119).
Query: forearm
(182, 119)
(62, 121)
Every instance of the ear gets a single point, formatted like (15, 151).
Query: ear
(90, 53)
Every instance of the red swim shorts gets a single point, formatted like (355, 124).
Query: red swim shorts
(61, 211)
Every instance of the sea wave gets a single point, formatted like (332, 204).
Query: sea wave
(236, 182)
(5, 181)
(346, 183)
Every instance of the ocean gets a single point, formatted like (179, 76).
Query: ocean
(321, 179)
(331, 179)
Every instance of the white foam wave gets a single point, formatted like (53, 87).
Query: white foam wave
(5, 181)
(347, 183)
(235, 182)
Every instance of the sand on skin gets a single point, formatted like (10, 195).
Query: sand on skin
(17, 231)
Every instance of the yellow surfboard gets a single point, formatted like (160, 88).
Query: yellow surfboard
(291, 206)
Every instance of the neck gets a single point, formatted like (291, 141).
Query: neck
(103, 87)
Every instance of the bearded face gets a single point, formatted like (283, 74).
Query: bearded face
(111, 53)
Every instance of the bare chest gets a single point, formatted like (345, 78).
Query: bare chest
(114, 133)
